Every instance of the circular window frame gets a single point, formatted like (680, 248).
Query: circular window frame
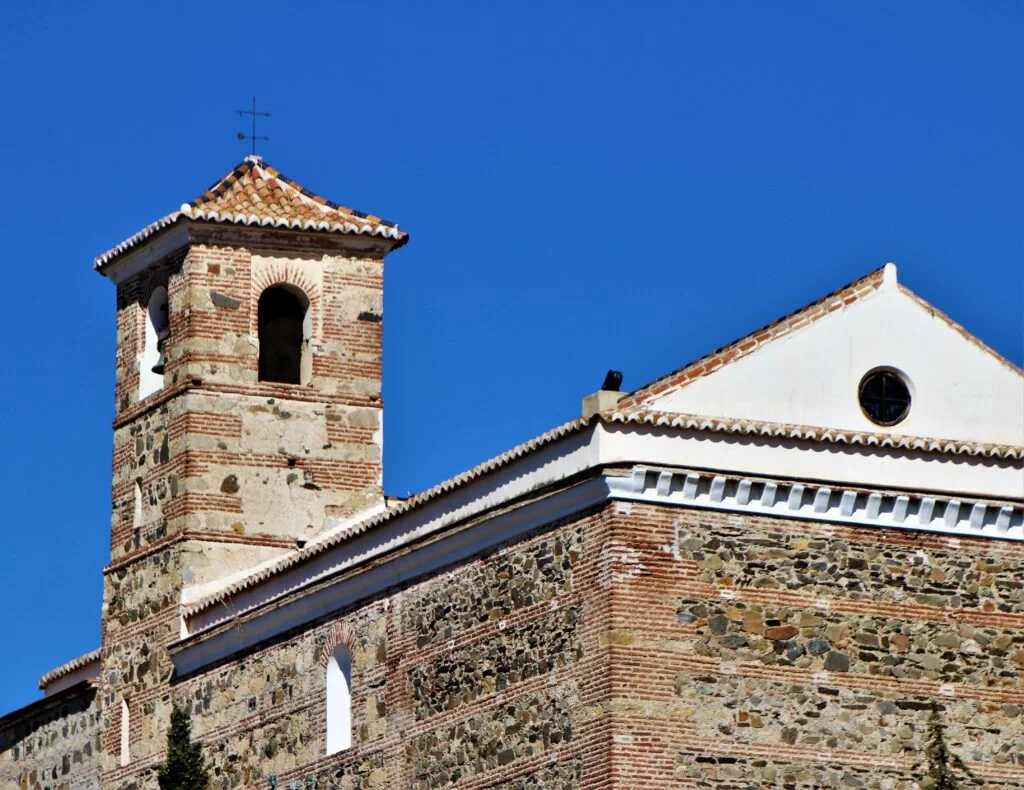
(901, 378)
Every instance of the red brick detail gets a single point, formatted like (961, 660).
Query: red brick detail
(339, 633)
(284, 272)
(206, 424)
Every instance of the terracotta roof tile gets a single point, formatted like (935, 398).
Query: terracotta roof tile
(71, 666)
(256, 194)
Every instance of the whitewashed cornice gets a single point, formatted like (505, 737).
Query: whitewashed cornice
(484, 516)
(670, 441)
(838, 505)
(235, 626)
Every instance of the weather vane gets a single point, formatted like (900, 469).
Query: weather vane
(253, 136)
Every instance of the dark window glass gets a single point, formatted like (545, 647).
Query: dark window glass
(884, 397)
(281, 315)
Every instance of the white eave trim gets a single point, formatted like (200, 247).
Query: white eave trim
(273, 618)
(119, 265)
(83, 668)
(513, 500)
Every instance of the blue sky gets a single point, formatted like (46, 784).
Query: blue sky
(587, 186)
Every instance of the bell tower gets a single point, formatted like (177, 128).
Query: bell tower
(248, 410)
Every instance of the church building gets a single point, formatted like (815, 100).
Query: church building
(765, 569)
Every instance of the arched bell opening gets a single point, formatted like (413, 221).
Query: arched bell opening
(284, 328)
(151, 365)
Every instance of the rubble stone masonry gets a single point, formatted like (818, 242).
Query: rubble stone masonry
(52, 743)
(218, 471)
(490, 674)
(218, 452)
(638, 646)
(777, 653)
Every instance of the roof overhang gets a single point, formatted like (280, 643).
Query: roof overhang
(77, 670)
(151, 244)
(177, 231)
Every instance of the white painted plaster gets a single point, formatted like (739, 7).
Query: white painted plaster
(148, 252)
(878, 509)
(137, 503)
(553, 462)
(126, 756)
(811, 376)
(852, 465)
(455, 546)
(810, 482)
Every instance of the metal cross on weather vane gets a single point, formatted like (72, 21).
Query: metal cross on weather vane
(253, 136)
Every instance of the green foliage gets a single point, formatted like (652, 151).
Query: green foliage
(943, 765)
(185, 768)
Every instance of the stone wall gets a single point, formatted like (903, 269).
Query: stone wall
(140, 618)
(52, 744)
(489, 674)
(213, 289)
(801, 654)
(634, 647)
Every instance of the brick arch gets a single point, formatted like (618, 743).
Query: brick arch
(339, 633)
(287, 273)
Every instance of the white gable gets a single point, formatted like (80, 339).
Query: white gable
(810, 376)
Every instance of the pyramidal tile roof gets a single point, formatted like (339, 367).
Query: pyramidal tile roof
(256, 194)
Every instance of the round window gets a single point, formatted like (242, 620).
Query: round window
(884, 397)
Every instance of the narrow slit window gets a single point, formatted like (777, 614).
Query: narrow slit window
(339, 700)
(283, 325)
(137, 504)
(125, 733)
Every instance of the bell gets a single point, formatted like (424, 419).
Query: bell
(158, 368)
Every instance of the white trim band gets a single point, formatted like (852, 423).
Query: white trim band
(283, 605)
(878, 509)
